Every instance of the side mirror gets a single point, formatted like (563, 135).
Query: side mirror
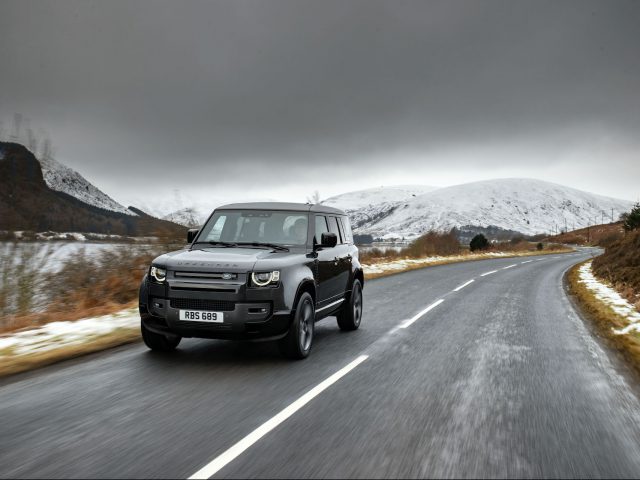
(191, 234)
(328, 240)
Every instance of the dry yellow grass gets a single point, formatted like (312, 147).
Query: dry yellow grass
(12, 364)
(605, 319)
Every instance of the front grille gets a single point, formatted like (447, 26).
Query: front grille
(194, 304)
(218, 276)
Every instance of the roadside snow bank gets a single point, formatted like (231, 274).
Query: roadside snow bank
(405, 264)
(612, 299)
(56, 335)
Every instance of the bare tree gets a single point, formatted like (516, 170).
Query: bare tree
(17, 125)
(315, 198)
(47, 149)
(32, 141)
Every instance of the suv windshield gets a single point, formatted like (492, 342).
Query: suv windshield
(256, 226)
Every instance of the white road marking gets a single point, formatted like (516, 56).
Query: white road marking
(236, 450)
(510, 266)
(457, 289)
(418, 315)
(488, 273)
(528, 261)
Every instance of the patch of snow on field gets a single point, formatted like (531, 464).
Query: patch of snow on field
(611, 298)
(408, 263)
(62, 334)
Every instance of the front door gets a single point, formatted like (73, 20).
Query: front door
(328, 265)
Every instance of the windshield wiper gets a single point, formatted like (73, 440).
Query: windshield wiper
(223, 244)
(275, 246)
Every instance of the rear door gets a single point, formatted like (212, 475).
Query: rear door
(340, 264)
(343, 256)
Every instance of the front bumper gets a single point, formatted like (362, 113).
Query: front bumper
(248, 314)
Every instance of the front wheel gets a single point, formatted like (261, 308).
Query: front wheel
(351, 314)
(297, 343)
(157, 341)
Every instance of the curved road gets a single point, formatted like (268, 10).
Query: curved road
(499, 379)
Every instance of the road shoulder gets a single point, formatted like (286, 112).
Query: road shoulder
(614, 326)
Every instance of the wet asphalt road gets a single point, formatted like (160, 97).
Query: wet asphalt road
(501, 379)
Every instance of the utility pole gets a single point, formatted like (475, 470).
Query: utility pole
(612, 215)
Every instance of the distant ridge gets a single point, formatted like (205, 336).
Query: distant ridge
(522, 205)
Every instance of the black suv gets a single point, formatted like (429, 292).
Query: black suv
(255, 271)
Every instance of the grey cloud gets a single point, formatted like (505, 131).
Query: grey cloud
(280, 87)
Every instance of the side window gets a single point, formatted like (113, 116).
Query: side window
(341, 228)
(345, 228)
(321, 227)
(333, 227)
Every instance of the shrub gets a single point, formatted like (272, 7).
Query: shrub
(433, 243)
(479, 242)
(540, 246)
(83, 286)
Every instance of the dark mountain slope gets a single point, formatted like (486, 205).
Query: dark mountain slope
(27, 203)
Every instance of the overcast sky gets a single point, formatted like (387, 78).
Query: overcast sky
(275, 99)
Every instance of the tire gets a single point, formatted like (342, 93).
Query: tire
(157, 341)
(297, 344)
(350, 316)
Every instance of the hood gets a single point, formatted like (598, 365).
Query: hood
(217, 259)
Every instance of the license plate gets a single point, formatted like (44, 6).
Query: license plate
(201, 316)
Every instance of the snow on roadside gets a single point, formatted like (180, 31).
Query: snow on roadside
(611, 298)
(405, 263)
(56, 335)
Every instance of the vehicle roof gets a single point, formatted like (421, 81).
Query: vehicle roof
(291, 207)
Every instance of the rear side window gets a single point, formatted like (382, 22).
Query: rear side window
(333, 227)
(345, 228)
(321, 227)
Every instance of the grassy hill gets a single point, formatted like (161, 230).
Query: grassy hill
(601, 235)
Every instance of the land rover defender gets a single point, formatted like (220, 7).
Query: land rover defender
(256, 271)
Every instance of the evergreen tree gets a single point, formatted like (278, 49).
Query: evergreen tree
(479, 242)
(631, 220)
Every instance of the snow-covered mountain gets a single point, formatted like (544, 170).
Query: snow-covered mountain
(524, 205)
(197, 212)
(363, 198)
(365, 206)
(61, 178)
(189, 216)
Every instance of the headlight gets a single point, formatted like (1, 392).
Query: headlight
(264, 279)
(158, 274)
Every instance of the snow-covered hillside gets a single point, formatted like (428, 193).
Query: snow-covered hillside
(197, 212)
(365, 206)
(524, 205)
(189, 216)
(61, 178)
(377, 195)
